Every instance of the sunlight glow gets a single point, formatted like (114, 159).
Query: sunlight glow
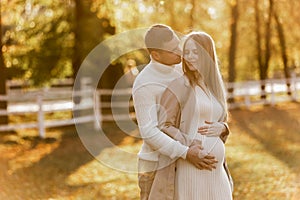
(119, 14)
(15, 61)
(219, 44)
(212, 12)
(188, 8)
(32, 24)
(31, 156)
(95, 172)
(28, 8)
(4, 48)
(49, 13)
(111, 182)
(150, 9)
(134, 71)
(142, 7)
(8, 64)
(21, 21)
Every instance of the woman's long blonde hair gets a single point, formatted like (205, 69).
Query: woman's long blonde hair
(208, 63)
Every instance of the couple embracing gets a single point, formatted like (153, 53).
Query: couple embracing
(181, 112)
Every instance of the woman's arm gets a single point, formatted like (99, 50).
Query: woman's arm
(213, 129)
(224, 134)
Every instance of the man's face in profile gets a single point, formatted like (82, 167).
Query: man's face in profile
(170, 53)
(168, 57)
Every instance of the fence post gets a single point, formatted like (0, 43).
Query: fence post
(247, 96)
(98, 117)
(294, 83)
(272, 92)
(41, 125)
(296, 87)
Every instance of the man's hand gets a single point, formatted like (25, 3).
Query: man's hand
(212, 129)
(201, 162)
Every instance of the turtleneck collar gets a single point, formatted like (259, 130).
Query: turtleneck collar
(161, 67)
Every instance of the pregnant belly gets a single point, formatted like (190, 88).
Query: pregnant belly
(214, 146)
(187, 171)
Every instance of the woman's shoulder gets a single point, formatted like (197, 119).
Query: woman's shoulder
(180, 88)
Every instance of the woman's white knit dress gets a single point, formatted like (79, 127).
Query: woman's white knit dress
(192, 183)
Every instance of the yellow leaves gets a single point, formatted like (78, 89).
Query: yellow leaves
(264, 162)
(262, 157)
(31, 156)
(4, 48)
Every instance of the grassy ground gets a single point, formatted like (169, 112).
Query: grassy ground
(263, 153)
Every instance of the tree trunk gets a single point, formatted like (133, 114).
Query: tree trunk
(263, 60)
(258, 36)
(170, 6)
(259, 43)
(89, 31)
(232, 49)
(284, 56)
(264, 74)
(192, 12)
(3, 104)
(77, 55)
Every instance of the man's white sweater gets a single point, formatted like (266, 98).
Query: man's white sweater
(147, 91)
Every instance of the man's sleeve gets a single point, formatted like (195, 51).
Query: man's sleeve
(146, 110)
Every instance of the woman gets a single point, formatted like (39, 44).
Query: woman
(197, 99)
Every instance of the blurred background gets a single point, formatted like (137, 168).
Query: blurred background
(44, 42)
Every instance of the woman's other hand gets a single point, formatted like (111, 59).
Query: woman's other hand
(212, 129)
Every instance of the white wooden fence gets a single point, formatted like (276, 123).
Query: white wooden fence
(46, 101)
(248, 93)
(40, 103)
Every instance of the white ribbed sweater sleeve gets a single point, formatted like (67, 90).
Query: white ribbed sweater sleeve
(146, 114)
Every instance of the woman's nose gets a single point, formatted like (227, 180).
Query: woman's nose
(190, 55)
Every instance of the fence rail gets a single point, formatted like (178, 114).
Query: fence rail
(115, 105)
(40, 103)
(276, 90)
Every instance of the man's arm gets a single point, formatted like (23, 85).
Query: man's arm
(146, 113)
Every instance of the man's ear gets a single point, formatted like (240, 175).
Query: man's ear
(155, 55)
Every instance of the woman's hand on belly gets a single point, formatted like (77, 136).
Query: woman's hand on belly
(212, 129)
(207, 162)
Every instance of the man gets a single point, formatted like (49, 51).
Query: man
(163, 46)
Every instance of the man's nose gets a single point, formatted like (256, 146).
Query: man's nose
(178, 51)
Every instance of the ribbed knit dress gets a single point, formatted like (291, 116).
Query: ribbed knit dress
(192, 183)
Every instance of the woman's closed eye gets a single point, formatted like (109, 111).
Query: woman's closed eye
(187, 52)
